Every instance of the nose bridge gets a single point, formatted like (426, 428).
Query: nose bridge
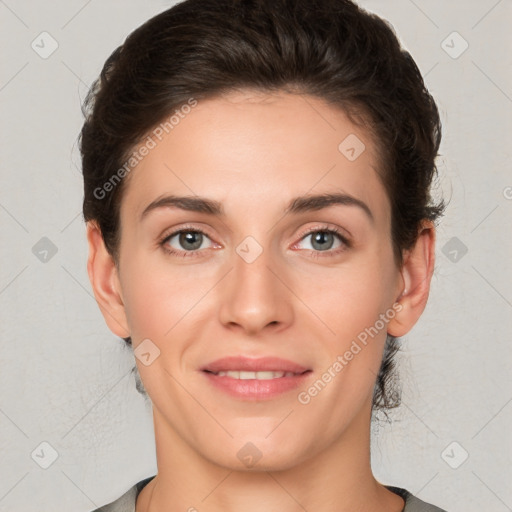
(254, 298)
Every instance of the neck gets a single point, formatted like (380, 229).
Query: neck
(338, 478)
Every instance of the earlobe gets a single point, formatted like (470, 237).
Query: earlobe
(104, 280)
(416, 271)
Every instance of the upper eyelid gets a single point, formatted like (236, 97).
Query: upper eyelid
(185, 229)
(328, 229)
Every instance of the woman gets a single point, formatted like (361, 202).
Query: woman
(261, 231)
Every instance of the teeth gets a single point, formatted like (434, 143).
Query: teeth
(242, 375)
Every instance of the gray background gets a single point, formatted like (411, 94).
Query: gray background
(66, 380)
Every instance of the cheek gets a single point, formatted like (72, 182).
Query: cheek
(157, 296)
(347, 300)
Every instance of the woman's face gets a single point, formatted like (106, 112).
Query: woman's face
(285, 253)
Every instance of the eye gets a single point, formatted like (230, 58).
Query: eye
(322, 240)
(186, 241)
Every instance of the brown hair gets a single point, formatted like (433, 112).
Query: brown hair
(329, 49)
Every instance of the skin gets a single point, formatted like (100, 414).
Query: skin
(253, 153)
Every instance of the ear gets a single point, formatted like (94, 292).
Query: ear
(105, 283)
(417, 270)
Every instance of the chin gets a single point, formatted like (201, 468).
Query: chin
(255, 454)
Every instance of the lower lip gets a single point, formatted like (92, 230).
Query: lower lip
(254, 389)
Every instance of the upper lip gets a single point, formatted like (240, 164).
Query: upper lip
(269, 364)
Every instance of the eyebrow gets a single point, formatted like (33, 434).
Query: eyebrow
(318, 202)
(299, 204)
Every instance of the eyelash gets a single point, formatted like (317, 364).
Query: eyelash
(346, 244)
(183, 254)
(323, 229)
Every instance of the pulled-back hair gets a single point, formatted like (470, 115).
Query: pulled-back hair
(329, 49)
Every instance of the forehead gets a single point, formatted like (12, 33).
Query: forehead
(250, 149)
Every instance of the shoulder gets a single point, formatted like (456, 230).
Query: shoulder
(412, 503)
(125, 503)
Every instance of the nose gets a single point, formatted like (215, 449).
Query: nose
(254, 296)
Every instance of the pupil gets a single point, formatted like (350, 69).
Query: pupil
(192, 238)
(321, 240)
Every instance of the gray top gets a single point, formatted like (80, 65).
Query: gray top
(126, 503)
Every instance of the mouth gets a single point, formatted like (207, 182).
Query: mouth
(255, 379)
(262, 375)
